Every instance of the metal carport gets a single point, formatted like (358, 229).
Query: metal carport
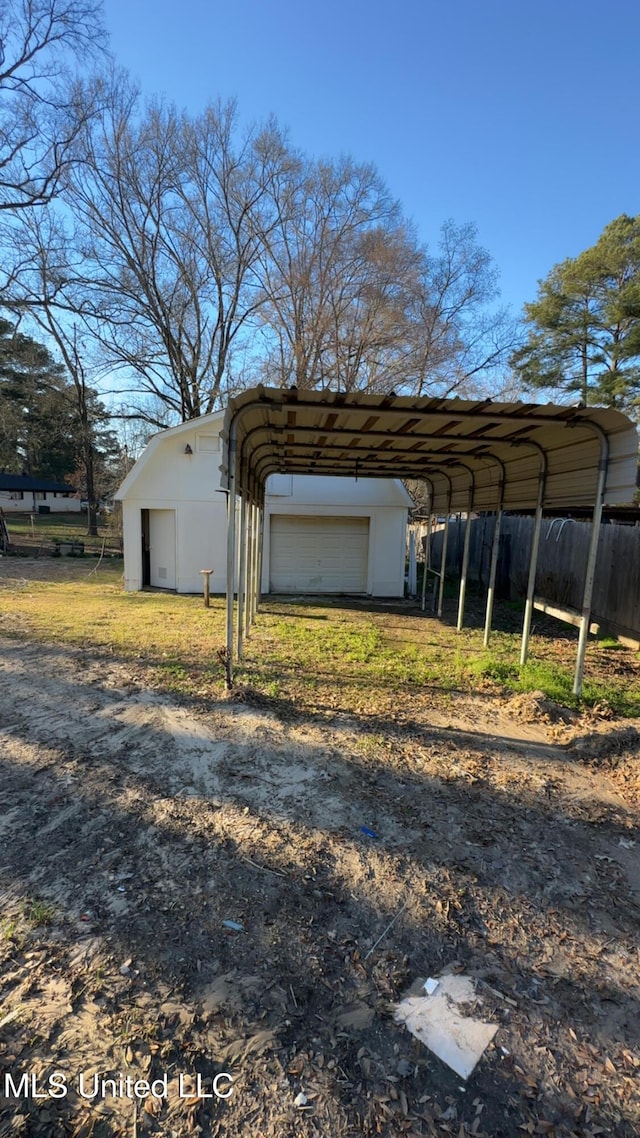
(472, 455)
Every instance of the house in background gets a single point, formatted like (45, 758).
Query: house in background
(27, 493)
(321, 535)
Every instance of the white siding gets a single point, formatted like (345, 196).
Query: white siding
(324, 490)
(387, 553)
(180, 470)
(57, 503)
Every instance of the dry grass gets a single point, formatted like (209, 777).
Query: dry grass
(307, 653)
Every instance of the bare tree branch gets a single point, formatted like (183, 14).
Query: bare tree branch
(41, 105)
(173, 212)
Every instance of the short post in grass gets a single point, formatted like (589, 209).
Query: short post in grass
(206, 575)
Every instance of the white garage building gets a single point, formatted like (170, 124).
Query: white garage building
(321, 534)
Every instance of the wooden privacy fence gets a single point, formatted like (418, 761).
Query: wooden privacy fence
(562, 559)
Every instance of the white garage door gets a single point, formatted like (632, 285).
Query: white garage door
(318, 555)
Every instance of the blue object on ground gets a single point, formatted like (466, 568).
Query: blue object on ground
(368, 833)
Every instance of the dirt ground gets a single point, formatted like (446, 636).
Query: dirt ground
(133, 825)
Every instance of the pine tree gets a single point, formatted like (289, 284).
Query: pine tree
(584, 327)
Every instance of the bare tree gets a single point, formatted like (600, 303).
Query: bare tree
(334, 271)
(369, 311)
(195, 237)
(172, 211)
(457, 337)
(45, 288)
(352, 302)
(41, 106)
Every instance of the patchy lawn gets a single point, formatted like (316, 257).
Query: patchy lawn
(33, 535)
(142, 808)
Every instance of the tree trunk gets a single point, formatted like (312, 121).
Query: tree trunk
(92, 505)
(87, 452)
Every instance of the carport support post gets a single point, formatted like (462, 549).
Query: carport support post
(259, 558)
(248, 571)
(251, 556)
(242, 574)
(256, 562)
(465, 565)
(492, 577)
(231, 545)
(443, 562)
(251, 611)
(533, 565)
(251, 523)
(590, 573)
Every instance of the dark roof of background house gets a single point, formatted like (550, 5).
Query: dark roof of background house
(32, 482)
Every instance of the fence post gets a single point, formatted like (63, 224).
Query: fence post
(443, 566)
(231, 545)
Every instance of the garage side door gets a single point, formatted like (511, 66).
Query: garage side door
(162, 549)
(318, 555)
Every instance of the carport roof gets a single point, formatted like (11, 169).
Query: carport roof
(455, 445)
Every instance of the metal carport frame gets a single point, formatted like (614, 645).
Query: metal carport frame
(493, 456)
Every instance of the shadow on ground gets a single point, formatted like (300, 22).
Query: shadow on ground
(135, 826)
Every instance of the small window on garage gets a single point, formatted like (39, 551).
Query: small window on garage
(209, 443)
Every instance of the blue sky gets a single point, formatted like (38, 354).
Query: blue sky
(522, 118)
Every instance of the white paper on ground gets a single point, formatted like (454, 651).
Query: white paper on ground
(459, 1040)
